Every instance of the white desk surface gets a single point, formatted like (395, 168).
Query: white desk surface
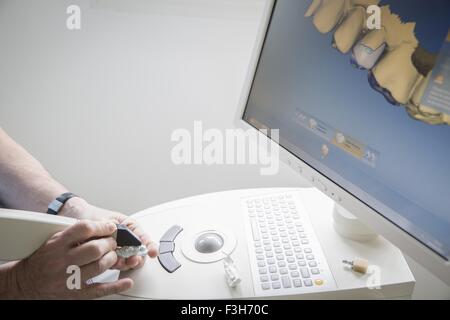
(193, 281)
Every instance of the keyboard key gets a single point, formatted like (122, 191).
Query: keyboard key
(265, 286)
(297, 283)
(280, 257)
(272, 269)
(270, 261)
(262, 270)
(296, 243)
(312, 264)
(292, 266)
(289, 253)
(309, 257)
(268, 248)
(304, 272)
(297, 249)
(269, 254)
(258, 250)
(308, 282)
(281, 264)
(302, 263)
(276, 244)
(307, 250)
(261, 264)
(264, 278)
(286, 282)
(305, 241)
(283, 271)
(274, 277)
(260, 257)
(299, 256)
(266, 242)
(315, 271)
(276, 285)
(295, 274)
(278, 250)
(286, 247)
(290, 259)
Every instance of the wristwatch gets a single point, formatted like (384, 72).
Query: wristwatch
(55, 206)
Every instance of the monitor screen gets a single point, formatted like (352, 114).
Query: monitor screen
(365, 103)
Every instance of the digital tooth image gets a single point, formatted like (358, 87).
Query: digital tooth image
(396, 58)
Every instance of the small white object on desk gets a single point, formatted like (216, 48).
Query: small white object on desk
(231, 273)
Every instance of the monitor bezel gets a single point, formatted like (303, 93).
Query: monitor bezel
(409, 245)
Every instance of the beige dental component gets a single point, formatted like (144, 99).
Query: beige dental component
(358, 265)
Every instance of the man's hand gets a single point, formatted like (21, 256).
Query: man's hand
(88, 245)
(80, 209)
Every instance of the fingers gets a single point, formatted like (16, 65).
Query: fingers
(152, 250)
(135, 262)
(91, 251)
(99, 266)
(106, 289)
(85, 230)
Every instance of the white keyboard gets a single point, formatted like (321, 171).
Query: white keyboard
(285, 255)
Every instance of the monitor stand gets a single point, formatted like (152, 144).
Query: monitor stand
(349, 226)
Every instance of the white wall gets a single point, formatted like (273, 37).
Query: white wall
(98, 106)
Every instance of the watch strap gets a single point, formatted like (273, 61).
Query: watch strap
(55, 206)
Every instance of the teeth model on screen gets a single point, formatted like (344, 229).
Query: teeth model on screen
(398, 66)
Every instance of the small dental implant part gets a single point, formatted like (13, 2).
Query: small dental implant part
(358, 265)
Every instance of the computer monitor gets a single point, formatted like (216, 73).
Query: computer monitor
(363, 111)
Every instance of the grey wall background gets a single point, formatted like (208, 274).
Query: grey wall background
(98, 106)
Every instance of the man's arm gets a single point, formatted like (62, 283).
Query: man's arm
(24, 183)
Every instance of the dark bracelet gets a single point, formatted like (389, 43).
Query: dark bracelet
(55, 206)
